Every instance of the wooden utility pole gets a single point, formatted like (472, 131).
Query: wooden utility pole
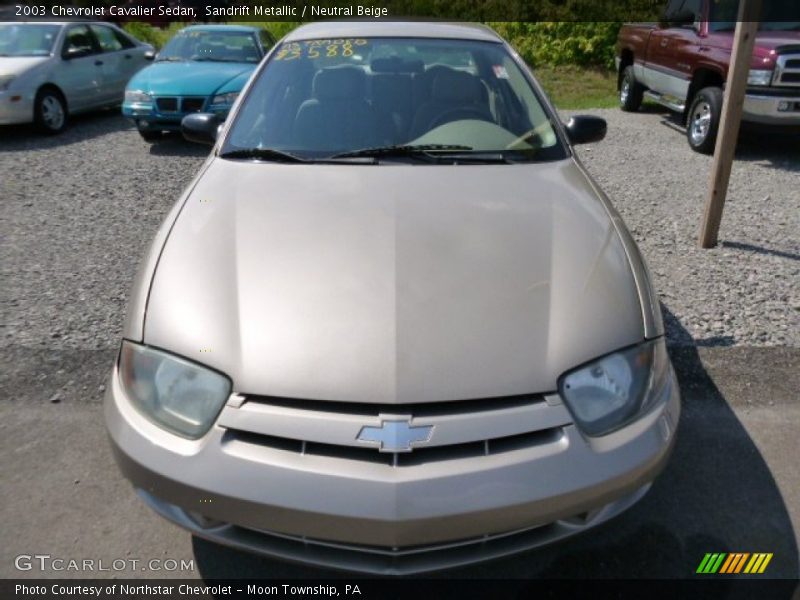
(733, 100)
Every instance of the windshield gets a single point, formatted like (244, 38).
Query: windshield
(775, 16)
(216, 46)
(23, 39)
(322, 98)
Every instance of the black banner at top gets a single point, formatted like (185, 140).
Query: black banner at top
(166, 11)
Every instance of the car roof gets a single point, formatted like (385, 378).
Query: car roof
(399, 29)
(231, 28)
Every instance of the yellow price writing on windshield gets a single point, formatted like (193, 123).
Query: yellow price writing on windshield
(320, 49)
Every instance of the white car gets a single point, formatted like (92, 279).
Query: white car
(50, 70)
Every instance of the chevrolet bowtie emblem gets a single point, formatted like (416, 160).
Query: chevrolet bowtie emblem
(396, 436)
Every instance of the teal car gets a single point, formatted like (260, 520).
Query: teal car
(202, 69)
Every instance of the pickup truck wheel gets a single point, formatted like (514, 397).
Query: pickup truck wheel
(703, 120)
(630, 91)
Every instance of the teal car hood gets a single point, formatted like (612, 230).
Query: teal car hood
(191, 78)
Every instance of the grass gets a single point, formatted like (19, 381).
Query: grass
(575, 88)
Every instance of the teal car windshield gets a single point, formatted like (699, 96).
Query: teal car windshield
(214, 46)
(402, 97)
(27, 39)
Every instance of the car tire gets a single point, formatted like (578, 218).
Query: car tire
(631, 91)
(151, 137)
(50, 111)
(702, 120)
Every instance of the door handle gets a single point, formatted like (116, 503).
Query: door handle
(127, 56)
(98, 63)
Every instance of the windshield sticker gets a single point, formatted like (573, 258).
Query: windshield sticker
(320, 49)
(500, 71)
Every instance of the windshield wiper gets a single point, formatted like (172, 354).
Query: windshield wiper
(474, 157)
(403, 150)
(263, 154)
(170, 59)
(281, 156)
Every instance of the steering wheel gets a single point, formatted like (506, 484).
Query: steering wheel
(457, 114)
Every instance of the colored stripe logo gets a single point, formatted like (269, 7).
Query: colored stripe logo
(734, 562)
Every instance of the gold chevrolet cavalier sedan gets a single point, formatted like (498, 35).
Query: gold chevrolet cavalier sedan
(392, 325)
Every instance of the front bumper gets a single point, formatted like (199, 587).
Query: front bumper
(340, 512)
(148, 118)
(772, 108)
(15, 107)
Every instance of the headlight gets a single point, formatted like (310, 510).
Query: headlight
(617, 389)
(137, 96)
(174, 393)
(226, 99)
(5, 82)
(759, 77)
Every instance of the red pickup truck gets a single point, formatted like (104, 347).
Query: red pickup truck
(682, 62)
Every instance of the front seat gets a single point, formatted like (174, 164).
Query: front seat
(338, 116)
(454, 92)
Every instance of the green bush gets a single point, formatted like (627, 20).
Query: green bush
(585, 44)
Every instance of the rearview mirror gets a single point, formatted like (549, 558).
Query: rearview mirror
(200, 128)
(584, 129)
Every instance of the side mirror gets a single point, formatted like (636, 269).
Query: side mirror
(584, 129)
(201, 128)
(150, 55)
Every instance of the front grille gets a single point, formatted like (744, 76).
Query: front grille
(424, 409)
(189, 105)
(167, 104)
(787, 70)
(513, 423)
(180, 105)
(419, 456)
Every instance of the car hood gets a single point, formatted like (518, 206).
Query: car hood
(774, 40)
(393, 284)
(17, 65)
(767, 45)
(188, 78)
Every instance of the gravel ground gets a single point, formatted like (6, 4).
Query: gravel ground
(746, 291)
(80, 208)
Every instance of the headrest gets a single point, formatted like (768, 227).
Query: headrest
(395, 64)
(79, 40)
(456, 86)
(391, 84)
(339, 82)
